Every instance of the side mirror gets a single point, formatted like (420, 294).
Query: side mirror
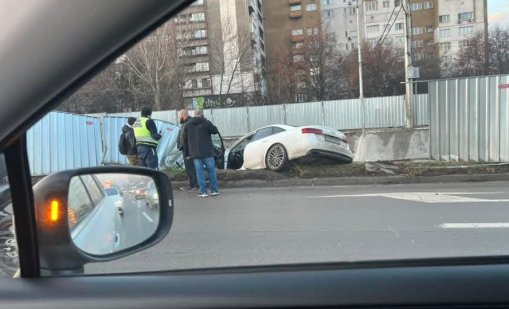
(82, 217)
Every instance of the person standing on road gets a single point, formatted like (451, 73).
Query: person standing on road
(127, 143)
(188, 163)
(198, 146)
(145, 132)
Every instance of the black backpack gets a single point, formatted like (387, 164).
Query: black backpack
(122, 144)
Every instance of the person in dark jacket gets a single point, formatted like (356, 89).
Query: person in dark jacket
(188, 163)
(132, 152)
(147, 139)
(198, 146)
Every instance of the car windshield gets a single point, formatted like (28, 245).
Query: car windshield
(395, 142)
(112, 191)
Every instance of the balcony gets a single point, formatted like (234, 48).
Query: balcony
(292, 2)
(295, 14)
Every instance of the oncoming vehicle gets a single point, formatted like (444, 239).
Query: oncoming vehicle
(115, 195)
(139, 191)
(151, 195)
(273, 146)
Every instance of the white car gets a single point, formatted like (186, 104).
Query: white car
(273, 146)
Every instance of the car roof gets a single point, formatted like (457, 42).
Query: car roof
(41, 66)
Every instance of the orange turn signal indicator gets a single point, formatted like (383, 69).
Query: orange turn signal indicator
(55, 210)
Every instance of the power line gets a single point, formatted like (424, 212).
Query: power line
(379, 44)
(387, 25)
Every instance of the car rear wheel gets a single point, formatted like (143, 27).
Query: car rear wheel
(276, 157)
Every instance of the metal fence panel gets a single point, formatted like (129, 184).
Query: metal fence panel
(469, 119)
(421, 110)
(343, 114)
(230, 121)
(301, 114)
(384, 112)
(62, 141)
(261, 116)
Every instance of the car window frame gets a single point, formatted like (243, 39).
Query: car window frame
(256, 138)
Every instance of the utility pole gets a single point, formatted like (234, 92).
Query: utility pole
(360, 40)
(409, 70)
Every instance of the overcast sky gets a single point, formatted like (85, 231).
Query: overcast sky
(498, 12)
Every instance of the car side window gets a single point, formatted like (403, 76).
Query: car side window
(276, 130)
(8, 247)
(262, 133)
(80, 204)
(96, 193)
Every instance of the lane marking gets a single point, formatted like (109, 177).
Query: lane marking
(494, 225)
(426, 197)
(147, 217)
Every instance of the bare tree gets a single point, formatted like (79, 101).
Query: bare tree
(231, 53)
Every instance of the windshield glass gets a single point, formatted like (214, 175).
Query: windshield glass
(395, 142)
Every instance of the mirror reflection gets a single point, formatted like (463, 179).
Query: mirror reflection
(111, 212)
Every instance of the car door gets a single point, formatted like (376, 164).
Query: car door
(58, 63)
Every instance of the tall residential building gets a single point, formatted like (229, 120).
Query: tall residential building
(222, 44)
(287, 23)
(435, 23)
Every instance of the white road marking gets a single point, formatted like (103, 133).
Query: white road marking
(494, 225)
(147, 217)
(426, 197)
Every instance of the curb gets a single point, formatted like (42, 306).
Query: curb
(358, 180)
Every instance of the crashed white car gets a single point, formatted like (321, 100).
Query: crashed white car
(273, 146)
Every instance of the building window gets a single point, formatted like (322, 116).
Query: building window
(297, 32)
(443, 33)
(399, 26)
(298, 58)
(298, 45)
(466, 30)
(371, 5)
(202, 66)
(416, 6)
(297, 7)
(428, 5)
(326, 2)
(301, 97)
(445, 47)
(205, 83)
(194, 83)
(464, 44)
(352, 11)
(198, 2)
(200, 34)
(418, 43)
(417, 30)
(443, 19)
(373, 29)
(198, 17)
(331, 36)
(327, 14)
(466, 17)
(313, 59)
(310, 31)
(386, 4)
(311, 7)
(429, 28)
(352, 34)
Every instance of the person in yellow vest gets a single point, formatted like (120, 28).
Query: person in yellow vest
(147, 139)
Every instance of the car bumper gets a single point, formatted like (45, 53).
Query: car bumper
(313, 145)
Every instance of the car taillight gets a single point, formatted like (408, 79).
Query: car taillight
(311, 131)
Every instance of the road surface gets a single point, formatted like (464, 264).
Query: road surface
(328, 224)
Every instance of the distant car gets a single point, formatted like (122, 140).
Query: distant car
(116, 198)
(273, 146)
(139, 192)
(151, 195)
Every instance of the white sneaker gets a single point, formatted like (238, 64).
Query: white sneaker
(203, 194)
(214, 193)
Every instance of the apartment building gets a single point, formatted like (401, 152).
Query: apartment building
(223, 48)
(442, 25)
(287, 24)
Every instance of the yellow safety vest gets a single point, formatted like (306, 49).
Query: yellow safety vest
(142, 134)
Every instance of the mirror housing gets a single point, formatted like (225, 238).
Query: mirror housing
(57, 252)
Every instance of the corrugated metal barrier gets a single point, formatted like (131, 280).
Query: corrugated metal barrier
(469, 119)
(62, 141)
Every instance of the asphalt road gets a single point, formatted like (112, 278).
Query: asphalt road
(328, 224)
(138, 223)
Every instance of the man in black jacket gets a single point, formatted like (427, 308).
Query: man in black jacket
(188, 163)
(198, 146)
(130, 140)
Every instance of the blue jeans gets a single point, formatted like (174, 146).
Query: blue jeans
(200, 164)
(147, 157)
